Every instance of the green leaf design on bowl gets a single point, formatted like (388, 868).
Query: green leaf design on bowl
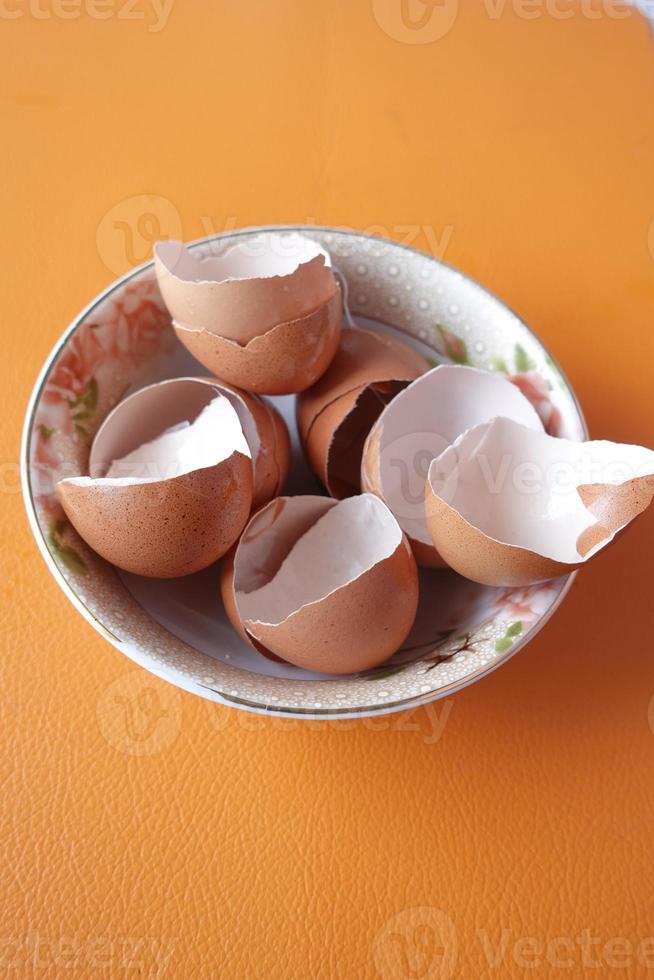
(455, 347)
(499, 364)
(523, 362)
(64, 553)
(506, 642)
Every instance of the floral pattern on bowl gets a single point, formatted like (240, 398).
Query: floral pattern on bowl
(124, 340)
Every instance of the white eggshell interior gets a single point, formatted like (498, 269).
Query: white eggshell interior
(348, 540)
(428, 416)
(246, 419)
(260, 257)
(212, 437)
(519, 486)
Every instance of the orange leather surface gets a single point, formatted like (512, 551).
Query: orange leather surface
(506, 832)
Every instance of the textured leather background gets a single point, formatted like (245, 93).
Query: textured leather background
(505, 833)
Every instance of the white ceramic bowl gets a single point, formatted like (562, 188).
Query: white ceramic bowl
(176, 628)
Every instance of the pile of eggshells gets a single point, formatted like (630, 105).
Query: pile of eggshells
(447, 466)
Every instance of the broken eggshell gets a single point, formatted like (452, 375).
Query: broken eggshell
(335, 415)
(231, 610)
(508, 505)
(417, 425)
(265, 315)
(327, 585)
(171, 481)
(263, 427)
(266, 435)
(250, 288)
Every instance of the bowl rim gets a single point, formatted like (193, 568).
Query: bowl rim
(195, 687)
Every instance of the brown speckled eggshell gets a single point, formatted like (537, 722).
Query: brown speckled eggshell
(317, 442)
(273, 459)
(241, 309)
(363, 357)
(229, 605)
(357, 627)
(338, 408)
(477, 556)
(168, 528)
(287, 359)
(474, 555)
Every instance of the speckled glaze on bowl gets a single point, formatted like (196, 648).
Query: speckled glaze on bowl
(177, 630)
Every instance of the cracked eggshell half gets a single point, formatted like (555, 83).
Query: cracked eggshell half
(231, 611)
(250, 288)
(336, 414)
(263, 427)
(507, 505)
(415, 428)
(283, 361)
(331, 586)
(266, 315)
(266, 435)
(171, 481)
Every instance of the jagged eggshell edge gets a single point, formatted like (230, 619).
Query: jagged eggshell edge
(483, 558)
(165, 529)
(272, 456)
(354, 618)
(283, 361)
(264, 429)
(243, 308)
(231, 611)
(427, 555)
(363, 357)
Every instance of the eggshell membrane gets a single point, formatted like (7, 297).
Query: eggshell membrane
(288, 358)
(335, 415)
(268, 538)
(249, 289)
(267, 437)
(169, 526)
(158, 407)
(231, 611)
(356, 625)
(417, 425)
(514, 533)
